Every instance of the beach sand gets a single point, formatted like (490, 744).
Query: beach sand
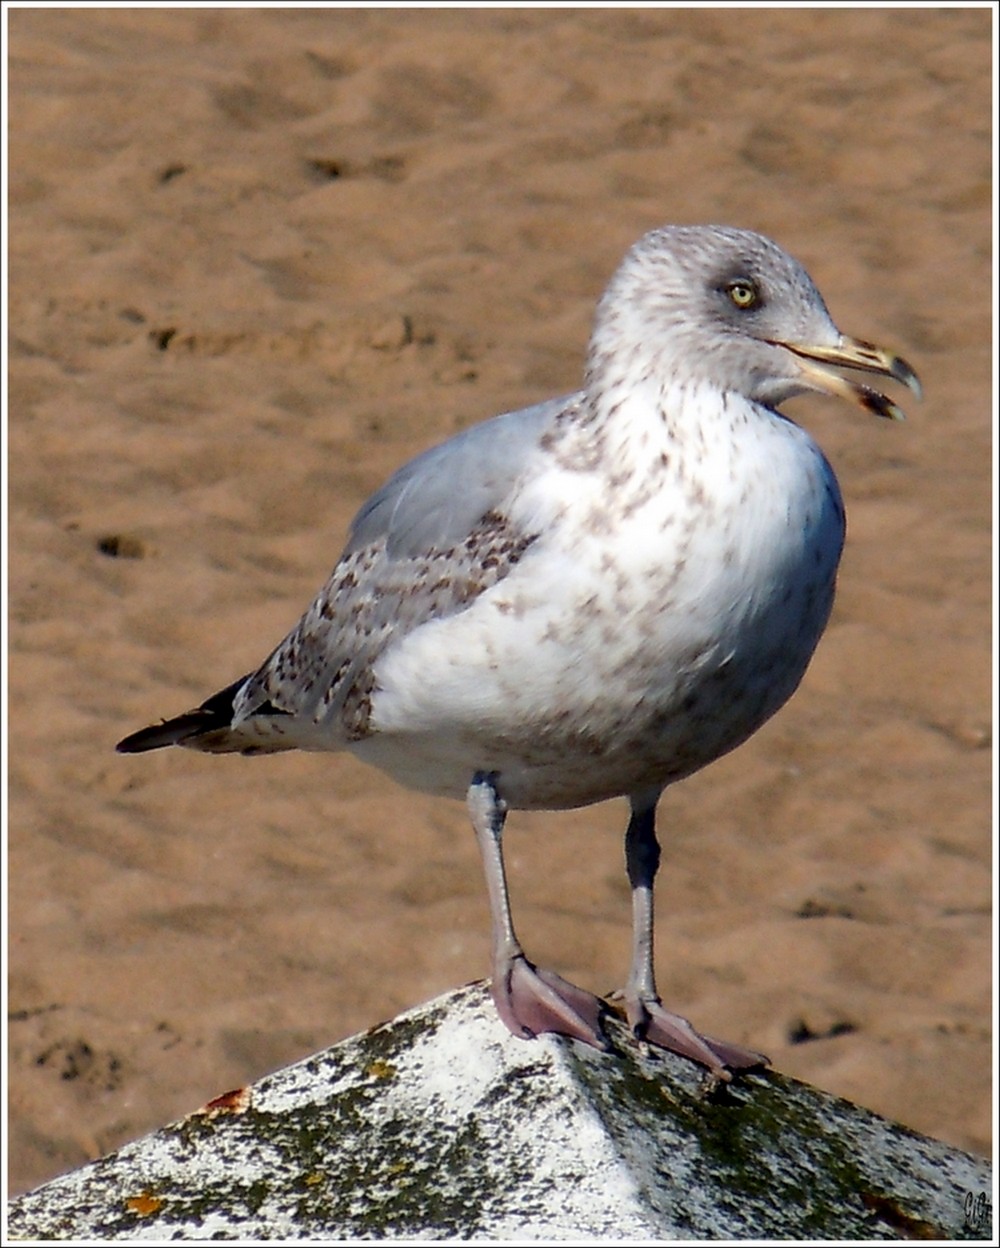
(258, 259)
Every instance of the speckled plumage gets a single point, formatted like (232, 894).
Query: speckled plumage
(593, 597)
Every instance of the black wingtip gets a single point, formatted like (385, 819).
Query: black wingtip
(170, 732)
(134, 743)
(211, 716)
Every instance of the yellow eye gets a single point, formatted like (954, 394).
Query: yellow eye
(743, 294)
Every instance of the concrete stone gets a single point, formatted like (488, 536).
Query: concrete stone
(440, 1125)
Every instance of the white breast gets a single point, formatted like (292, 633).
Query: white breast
(669, 606)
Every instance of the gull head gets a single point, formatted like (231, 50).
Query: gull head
(728, 308)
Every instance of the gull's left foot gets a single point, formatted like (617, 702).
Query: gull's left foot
(531, 1000)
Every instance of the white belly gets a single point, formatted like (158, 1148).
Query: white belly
(628, 650)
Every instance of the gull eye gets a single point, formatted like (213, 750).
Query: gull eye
(743, 293)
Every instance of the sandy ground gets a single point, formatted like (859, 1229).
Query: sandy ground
(258, 259)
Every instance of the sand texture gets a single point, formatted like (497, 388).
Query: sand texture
(260, 258)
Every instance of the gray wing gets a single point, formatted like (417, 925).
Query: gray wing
(437, 499)
(423, 547)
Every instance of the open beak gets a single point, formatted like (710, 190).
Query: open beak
(818, 366)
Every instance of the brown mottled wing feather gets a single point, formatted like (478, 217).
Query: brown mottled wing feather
(423, 547)
(322, 671)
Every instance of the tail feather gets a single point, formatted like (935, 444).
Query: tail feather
(207, 727)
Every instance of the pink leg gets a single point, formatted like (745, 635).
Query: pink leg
(646, 1015)
(530, 1000)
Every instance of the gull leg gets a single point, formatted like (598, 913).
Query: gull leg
(530, 1000)
(645, 1013)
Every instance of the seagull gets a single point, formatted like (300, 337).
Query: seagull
(590, 598)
